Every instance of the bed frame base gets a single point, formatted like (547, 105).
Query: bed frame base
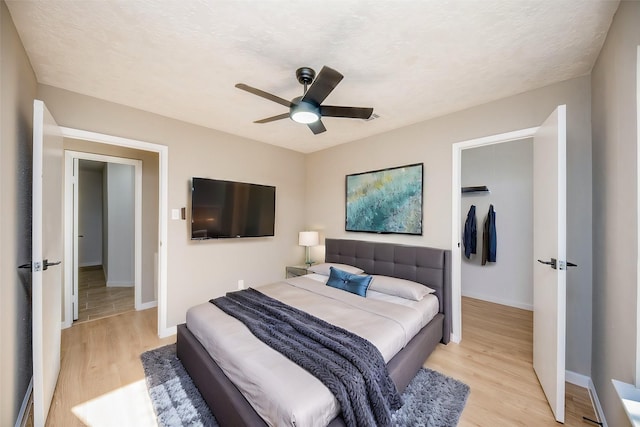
(225, 401)
(232, 409)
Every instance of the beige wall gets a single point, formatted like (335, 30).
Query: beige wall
(150, 186)
(201, 270)
(615, 169)
(430, 142)
(17, 90)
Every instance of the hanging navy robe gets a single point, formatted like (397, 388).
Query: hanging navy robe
(489, 239)
(470, 233)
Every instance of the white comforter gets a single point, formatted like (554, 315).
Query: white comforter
(280, 391)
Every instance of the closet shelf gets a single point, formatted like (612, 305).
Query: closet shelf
(477, 189)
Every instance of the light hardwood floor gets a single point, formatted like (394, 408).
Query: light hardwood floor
(102, 382)
(495, 358)
(101, 379)
(96, 300)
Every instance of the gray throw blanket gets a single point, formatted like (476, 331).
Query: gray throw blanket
(348, 365)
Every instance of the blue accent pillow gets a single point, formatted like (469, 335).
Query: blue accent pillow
(353, 283)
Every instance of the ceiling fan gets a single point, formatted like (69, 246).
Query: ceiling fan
(308, 108)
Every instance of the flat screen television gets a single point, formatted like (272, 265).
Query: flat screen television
(228, 209)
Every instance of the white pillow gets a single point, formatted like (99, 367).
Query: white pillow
(399, 287)
(324, 268)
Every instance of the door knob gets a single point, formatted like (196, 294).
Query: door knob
(47, 264)
(554, 264)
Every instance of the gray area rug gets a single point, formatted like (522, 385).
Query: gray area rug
(430, 400)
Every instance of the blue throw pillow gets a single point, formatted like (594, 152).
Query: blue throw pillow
(348, 282)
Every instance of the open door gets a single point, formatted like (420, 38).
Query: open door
(47, 235)
(550, 250)
(76, 237)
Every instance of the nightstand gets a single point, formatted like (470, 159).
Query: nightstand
(296, 270)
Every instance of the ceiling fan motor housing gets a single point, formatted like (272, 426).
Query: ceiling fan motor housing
(305, 75)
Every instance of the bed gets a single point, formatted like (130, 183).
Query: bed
(428, 266)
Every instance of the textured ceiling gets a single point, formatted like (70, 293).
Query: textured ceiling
(410, 60)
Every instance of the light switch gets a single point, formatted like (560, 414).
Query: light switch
(175, 213)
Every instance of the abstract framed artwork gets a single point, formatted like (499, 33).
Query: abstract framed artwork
(385, 201)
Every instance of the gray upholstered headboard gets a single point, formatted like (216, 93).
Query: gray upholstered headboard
(429, 266)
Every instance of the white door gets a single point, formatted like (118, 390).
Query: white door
(47, 235)
(550, 247)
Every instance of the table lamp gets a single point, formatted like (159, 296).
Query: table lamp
(308, 239)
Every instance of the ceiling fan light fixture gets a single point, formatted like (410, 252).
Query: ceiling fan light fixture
(308, 108)
(305, 113)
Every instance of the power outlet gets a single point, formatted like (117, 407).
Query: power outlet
(240, 284)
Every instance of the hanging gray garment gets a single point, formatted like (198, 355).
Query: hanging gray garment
(489, 238)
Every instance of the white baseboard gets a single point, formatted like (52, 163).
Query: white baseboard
(89, 263)
(490, 298)
(167, 332)
(23, 415)
(586, 382)
(115, 284)
(146, 305)
(596, 403)
(577, 379)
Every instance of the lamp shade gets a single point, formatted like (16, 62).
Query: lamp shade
(308, 238)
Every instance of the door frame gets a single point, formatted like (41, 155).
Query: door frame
(71, 228)
(163, 177)
(456, 214)
(637, 378)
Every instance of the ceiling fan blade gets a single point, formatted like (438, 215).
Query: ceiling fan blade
(350, 112)
(322, 86)
(264, 94)
(274, 118)
(317, 127)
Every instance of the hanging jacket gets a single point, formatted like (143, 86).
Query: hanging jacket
(470, 233)
(489, 238)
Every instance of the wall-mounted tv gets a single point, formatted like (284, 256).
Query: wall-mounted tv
(225, 209)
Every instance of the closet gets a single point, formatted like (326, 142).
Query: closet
(500, 175)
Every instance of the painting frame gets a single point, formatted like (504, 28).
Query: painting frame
(385, 201)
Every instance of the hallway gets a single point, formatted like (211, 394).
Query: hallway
(96, 300)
